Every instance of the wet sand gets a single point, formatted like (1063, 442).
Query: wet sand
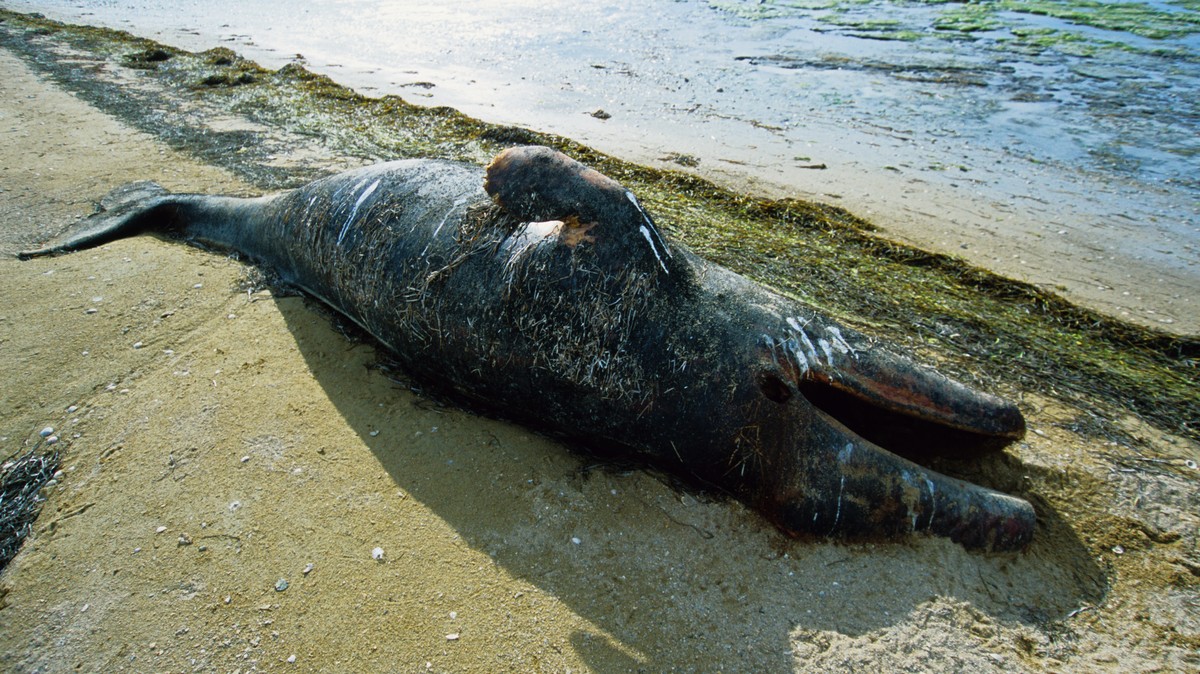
(226, 438)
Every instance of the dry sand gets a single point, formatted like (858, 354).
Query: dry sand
(226, 438)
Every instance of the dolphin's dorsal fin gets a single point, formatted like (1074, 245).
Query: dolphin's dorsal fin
(536, 184)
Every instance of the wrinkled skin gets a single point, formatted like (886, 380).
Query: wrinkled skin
(543, 291)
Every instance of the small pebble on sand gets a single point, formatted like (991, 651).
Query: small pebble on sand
(377, 554)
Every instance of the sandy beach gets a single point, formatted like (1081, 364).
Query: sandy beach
(232, 463)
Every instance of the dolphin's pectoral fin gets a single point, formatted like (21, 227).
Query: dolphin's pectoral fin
(537, 184)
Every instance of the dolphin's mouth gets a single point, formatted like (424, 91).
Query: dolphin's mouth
(915, 438)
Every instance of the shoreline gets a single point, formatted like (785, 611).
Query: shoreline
(247, 438)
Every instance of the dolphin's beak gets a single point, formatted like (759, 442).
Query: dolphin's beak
(859, 407)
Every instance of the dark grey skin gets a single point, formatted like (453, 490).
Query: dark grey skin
(542, 290)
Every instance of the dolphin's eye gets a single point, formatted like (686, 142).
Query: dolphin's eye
(774, 388)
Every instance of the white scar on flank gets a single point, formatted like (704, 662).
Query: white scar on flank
(354, 212)
(526, 238)
(650, 233)
(457, 203)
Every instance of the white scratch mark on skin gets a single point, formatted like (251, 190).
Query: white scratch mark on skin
(308, 211)
(650, 232)
(798, 328)
(771, 344)
(797, 355)
(809, 348)
(846, 452)
(837, 516)
(457, 203)
(354, 212)
(839, 342)
(805, 353)
(808, 358)
(661, 242)
(824, 344)
(932, 504)
(646, 233)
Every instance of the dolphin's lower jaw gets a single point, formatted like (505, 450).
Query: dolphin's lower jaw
(870, 494)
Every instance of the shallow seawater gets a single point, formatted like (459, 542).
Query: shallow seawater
(1081, 110)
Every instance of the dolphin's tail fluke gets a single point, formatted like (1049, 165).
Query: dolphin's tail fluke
(126, 211)
(144, 207)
